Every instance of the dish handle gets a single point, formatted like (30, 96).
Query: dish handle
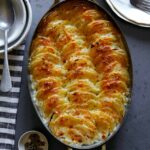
(58, 1)
(101, 148)
(95, 1)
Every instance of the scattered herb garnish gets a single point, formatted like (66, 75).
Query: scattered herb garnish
(34, 143)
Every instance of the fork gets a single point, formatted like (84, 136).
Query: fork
(141, 4)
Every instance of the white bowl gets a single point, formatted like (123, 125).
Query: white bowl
(19, 22)
(25, 139)
(26, 29)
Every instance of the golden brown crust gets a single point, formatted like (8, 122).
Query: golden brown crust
(80, 68)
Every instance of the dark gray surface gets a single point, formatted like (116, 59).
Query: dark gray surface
(135, 132)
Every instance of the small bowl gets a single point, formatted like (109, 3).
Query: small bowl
(25, 30)
(25, 139)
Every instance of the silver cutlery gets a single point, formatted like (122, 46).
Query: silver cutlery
(6, 22)
(141, 4)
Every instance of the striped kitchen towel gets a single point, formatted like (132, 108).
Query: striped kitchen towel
(9, 101)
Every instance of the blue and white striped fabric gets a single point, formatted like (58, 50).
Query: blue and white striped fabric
(9, 101)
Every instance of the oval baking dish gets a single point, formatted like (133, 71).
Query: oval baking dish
(80, 74)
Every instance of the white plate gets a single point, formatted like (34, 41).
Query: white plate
(19, 23)
(129, 13)
(25, 30)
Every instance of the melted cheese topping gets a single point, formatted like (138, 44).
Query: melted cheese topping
(80, 70)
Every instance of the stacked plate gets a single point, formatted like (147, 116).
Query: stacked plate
(21, 26)
(125, 10)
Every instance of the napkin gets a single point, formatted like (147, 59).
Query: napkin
(9, 101)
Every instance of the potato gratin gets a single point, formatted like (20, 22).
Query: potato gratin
(79, 72)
